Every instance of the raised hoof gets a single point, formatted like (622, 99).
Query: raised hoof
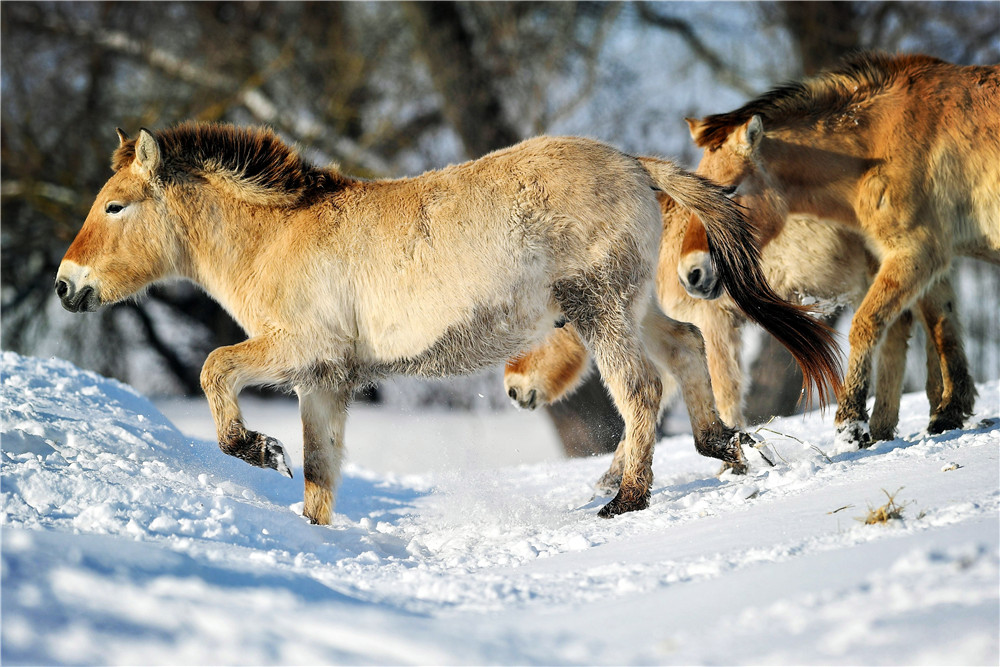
(944, 422)
(854, 434)
(258, 450)
(273, 455)
(619, 505)
(524, 399)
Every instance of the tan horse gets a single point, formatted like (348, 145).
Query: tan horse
(903, 150)
(339, 282)
(808, 260)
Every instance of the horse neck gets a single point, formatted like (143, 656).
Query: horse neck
(816, 172)
(226, 239)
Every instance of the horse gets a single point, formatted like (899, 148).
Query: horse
(811, 260)
(340, 282)
(808, 260)
(905, 150)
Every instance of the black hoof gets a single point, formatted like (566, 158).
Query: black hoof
(527, 400)
(258, 450)
(725, 445)
(620, 504)
(854, 433)
(735, 459)
(944, 422)
(273, 455)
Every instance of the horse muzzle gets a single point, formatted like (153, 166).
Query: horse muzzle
(75, 291)
(699, 278)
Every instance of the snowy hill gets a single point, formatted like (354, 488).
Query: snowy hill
(125, 542)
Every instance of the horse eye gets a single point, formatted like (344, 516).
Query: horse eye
(729, 190)
(114, 208)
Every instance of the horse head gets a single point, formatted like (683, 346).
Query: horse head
(732, 160)
(124, 244)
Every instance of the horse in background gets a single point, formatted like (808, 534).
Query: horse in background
(816, 261)
(340, 282)
(807, 260)
(905, 151)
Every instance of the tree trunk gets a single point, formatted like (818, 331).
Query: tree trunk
(823, 32)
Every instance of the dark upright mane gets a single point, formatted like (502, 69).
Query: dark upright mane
(828, 93)
(254, 157)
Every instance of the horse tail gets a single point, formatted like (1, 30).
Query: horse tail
(736, 256)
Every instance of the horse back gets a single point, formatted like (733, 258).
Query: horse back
(471, 252)
(939, 127)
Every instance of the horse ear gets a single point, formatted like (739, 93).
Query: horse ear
(147, 154)
(122, 137)
(752, 132)
(694, 126)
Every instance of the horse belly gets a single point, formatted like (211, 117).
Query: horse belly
(486, 337)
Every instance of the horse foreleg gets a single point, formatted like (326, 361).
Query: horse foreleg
(721, 330)
(549, 371)
(324, 413)
(951, 389)
(680, 349)
(889, 378)
(226, 371)
(899, 281)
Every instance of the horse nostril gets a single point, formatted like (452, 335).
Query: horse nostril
(62, 288)
(694, 277)
(512, 393)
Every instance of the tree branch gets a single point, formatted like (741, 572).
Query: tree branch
(252, 98)
(683, 29)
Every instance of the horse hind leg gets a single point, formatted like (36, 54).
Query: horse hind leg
(951, 388)
(612, 333)
(635, 387)
(889, 378)
(324, 414)
(611, 480)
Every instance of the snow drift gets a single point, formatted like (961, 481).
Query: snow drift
(125, 542)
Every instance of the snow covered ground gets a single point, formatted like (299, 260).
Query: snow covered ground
(125, 541)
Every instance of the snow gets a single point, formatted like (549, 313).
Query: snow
(125, 541)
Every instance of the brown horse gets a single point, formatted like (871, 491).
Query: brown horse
(340, 282)
(903, 150)
(811, 260)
